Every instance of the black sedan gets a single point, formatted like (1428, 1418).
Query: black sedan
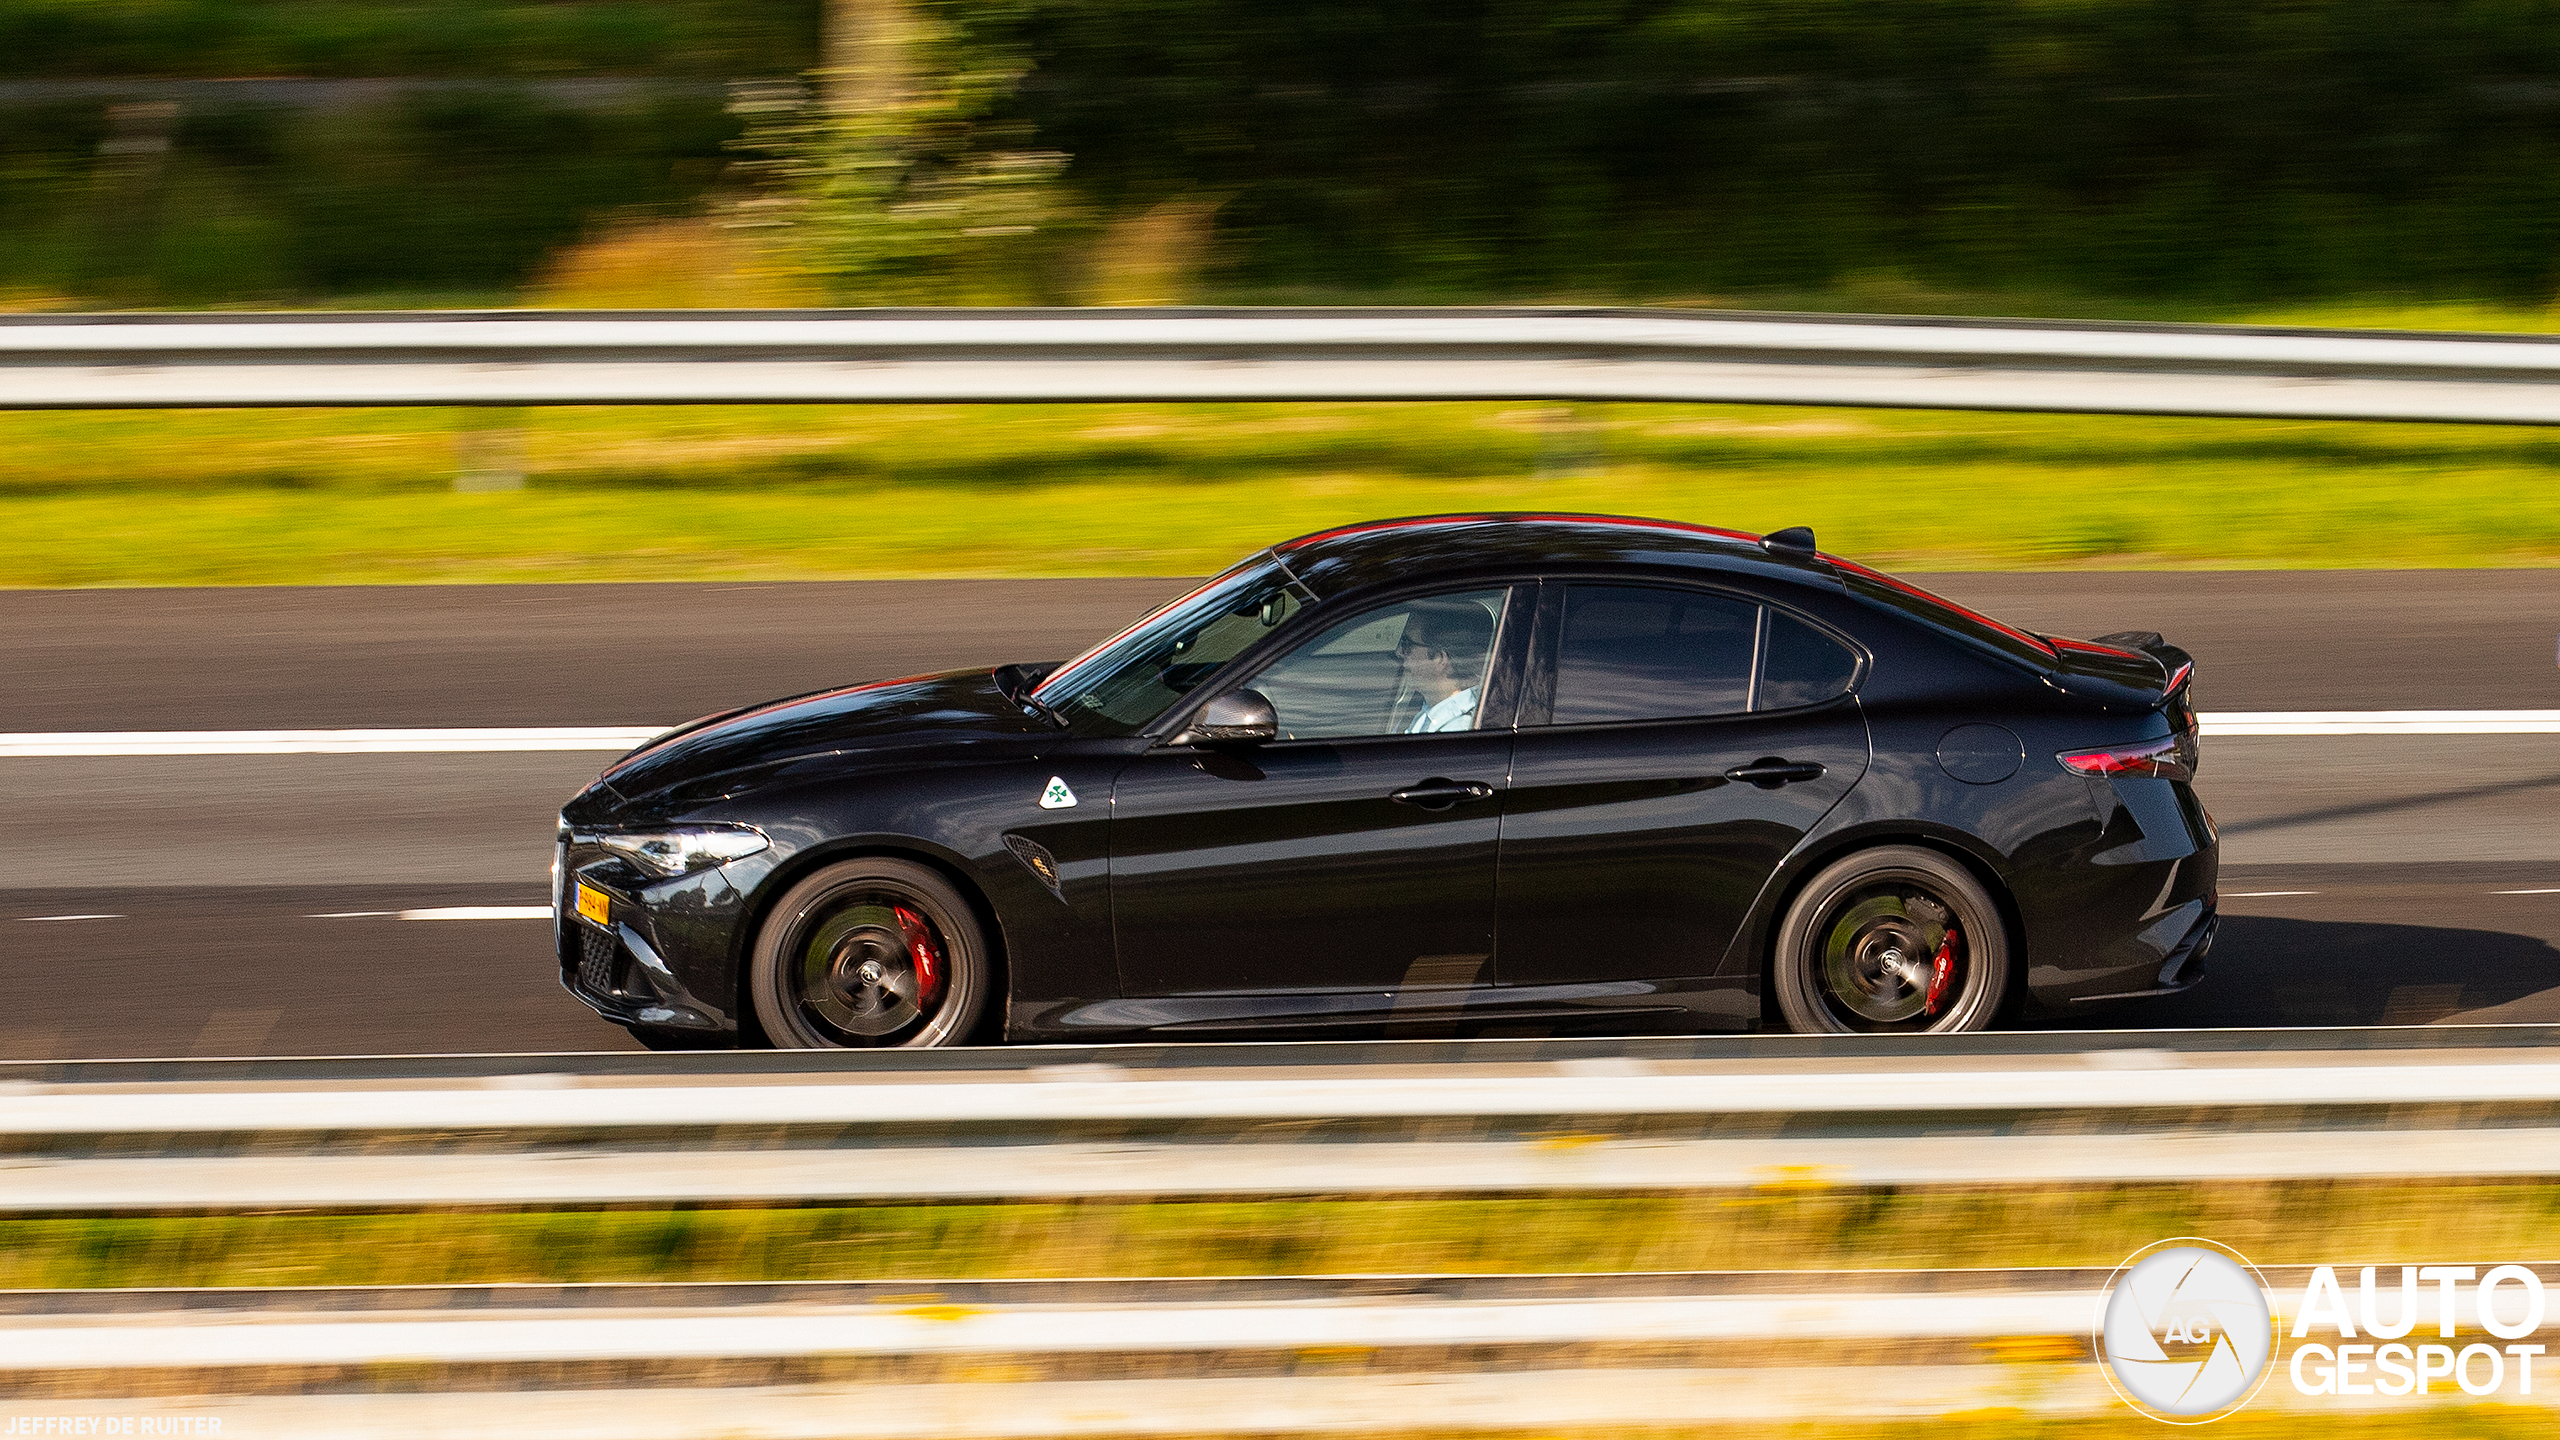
(1473, 773)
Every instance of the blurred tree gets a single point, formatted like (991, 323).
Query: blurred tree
(896, 179)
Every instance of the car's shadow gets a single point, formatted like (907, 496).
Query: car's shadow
(2267, 971)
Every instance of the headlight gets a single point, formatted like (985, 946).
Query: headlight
(686, 848)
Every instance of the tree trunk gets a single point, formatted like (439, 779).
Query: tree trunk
(870, 54)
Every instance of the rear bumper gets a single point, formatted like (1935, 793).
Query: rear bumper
(2183, 965)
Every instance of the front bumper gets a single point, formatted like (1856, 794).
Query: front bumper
(663, 957)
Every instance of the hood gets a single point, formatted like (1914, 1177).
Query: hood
(923, 712)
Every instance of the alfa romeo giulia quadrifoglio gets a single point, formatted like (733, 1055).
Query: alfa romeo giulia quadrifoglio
(1464, 774)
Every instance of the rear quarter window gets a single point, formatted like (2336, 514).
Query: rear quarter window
(1802, 666)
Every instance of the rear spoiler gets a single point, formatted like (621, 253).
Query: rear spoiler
(2177, 664)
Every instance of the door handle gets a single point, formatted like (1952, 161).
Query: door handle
(1438, 794)
(1769, 772)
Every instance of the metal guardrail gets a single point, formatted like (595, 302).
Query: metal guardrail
(938, 1359)
(485, 1325)
(1283, 1120)
(1376, 1353)
(1568, 1089)
(930, 1359)
(522, 358)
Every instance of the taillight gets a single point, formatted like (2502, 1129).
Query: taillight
(2143, 760)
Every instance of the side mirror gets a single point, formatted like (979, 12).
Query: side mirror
(1239, 717)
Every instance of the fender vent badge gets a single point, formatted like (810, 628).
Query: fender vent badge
(1057, 796)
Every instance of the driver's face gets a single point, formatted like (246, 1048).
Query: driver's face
(1424, 668)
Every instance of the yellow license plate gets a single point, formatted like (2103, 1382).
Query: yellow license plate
(595, 905)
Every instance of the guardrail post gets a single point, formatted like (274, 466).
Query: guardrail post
(1570, 444)
(488, 452)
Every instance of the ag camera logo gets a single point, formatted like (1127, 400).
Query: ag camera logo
(2185, 1331)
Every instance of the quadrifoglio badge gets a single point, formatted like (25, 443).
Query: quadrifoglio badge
(2189, 1331)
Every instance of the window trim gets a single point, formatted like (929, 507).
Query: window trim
(1539, 684)
(1511, 632)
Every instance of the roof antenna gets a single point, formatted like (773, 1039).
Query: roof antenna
(1794, 540)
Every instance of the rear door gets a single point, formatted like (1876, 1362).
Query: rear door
(1675, 744)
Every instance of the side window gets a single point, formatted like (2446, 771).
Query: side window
(1641, 652)
(1408, 668)
(1803, 666)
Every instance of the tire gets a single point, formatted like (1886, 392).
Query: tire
(869, 954)
(1861, 948)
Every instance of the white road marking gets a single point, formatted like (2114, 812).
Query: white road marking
(2381, 722)
(69, 917)
(2265, 894)
(480, 912)
(2525, 892)
(614, 738)
(619, 738)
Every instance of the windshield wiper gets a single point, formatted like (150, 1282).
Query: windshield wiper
(1042, 709)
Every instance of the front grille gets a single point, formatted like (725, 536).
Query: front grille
(599, 955)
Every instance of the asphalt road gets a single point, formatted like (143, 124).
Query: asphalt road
(235, 659)
(285, 970)
(215, 870)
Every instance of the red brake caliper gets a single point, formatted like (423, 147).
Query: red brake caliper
(1941, 970)
(928, 960)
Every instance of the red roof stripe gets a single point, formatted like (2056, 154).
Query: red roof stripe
(1367, 526)
(1907, 588)
(1630, 522)
(1680, 525)
(2091, 647)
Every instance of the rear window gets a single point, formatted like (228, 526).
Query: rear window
(1945, 614)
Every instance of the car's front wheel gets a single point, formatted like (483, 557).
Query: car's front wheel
(869, 953)
(1895, 940)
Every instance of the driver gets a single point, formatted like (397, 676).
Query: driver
(1442, 655)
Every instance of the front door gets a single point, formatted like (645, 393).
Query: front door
(1351, 857)
(1677, 745)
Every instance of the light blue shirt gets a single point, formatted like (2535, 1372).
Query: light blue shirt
(1458, 712)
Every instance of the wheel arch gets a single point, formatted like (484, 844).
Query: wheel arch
(1761, 939)
(808, 862)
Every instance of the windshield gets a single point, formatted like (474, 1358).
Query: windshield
(1119, 685)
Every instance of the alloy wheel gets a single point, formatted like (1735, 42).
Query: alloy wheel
(1890, 956)
(870, 968)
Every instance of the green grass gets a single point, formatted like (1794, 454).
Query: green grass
(2273, 1224)
(829, 492)
(365, 496)
(2442, 1421)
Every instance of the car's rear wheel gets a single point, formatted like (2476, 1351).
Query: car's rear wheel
(1895, 940)
(869, 954)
